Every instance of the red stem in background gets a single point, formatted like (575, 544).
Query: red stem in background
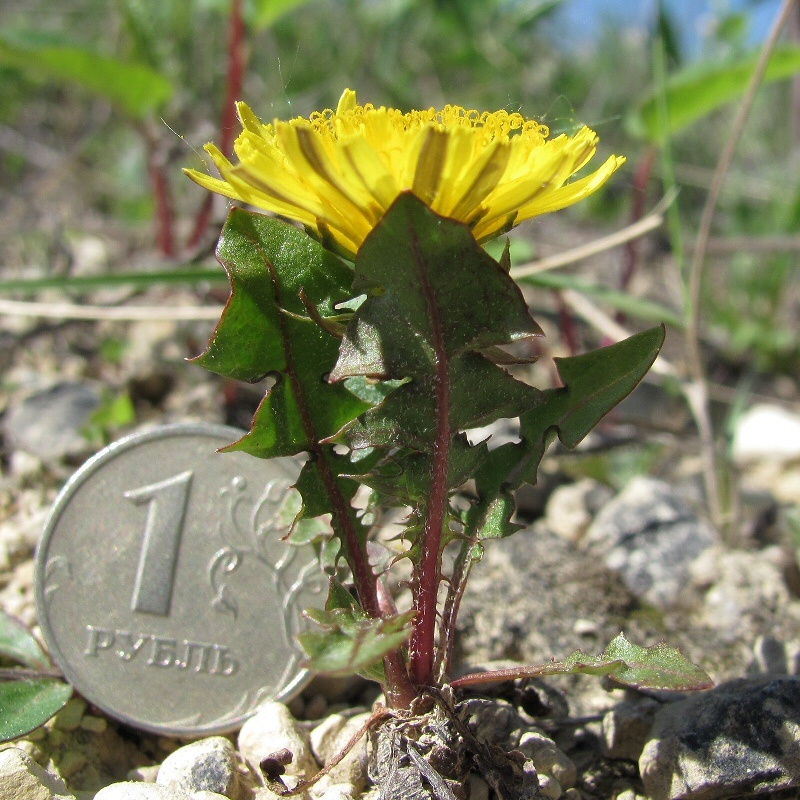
(165, 216)
(641, 179)
(794, 33)
(237, 61)
(567, 324)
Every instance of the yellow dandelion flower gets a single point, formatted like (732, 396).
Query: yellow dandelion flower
(338, 172)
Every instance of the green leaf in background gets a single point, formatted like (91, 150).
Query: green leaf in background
(627, 303)
(267, 12)
(658, 667)
(135, 88)
(702, 88)
(25, 705)
(18, 644)
(114, 412)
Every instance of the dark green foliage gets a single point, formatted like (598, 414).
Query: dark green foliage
(593, 384)
(26, 704)
(275, 271)
(435, 300)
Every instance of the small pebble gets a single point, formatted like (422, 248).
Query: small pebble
(627, 726)
(478, 788)
(271, 729)
(147, 774)
(549, 787)
(22, 777)
(337, 791)
(206, 765)
(548, 759)
(69, 718)
(71, 763)
(93, 724)
(329, 738)
(140, 791)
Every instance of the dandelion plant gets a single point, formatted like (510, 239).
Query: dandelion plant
(367, 295)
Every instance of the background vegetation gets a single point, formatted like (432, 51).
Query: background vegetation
(102, 103)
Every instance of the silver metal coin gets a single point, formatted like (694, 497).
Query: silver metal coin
(163, 588)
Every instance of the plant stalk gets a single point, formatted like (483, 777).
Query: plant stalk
(165, 217)
(698, 384)
(458, 583)
(428, 571)
(237, 60)
(399, 691)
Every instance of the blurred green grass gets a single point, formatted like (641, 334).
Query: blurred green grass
(88, 87)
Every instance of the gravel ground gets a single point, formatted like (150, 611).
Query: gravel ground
(597, 559)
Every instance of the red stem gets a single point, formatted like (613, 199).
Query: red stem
(567, 322)
(165, 217)
(458, 584)
(641, 179)
(428, 571)
(237, 59)
(399, 691)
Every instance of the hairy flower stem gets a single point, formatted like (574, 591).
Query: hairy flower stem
(399, 691)
(428, 571)
(458, 583)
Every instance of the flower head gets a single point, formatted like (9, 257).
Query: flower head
(338, 172)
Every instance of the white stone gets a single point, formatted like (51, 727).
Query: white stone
(208, 764)
(140, 791)
(337, 791)
(548, 759)
(571, 507)
(767, 432)
(209, 796)
(21, 778)
(271, 729)
(329, 738)
(549, 787)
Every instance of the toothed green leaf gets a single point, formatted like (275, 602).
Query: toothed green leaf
(657, 667)
(593, 384)
(350, 642)
(266, 329)
(434, 301)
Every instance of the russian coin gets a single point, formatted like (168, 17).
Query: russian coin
(163, 588)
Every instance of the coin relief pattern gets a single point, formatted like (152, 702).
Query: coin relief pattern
(250, 577)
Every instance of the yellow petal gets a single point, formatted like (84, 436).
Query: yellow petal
(337, 172)
(347, 102)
